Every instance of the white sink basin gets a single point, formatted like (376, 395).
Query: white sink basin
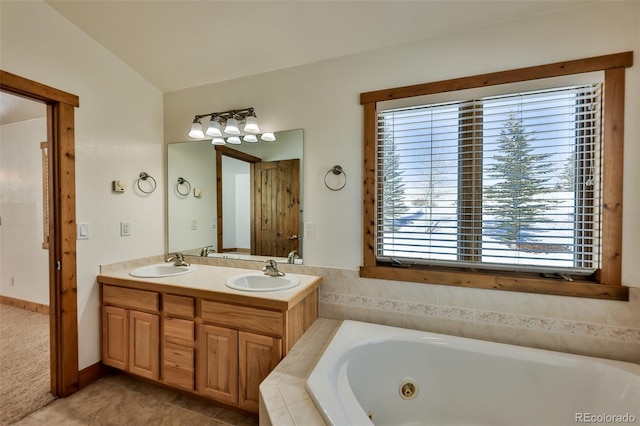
(260, 282)
(161, 270)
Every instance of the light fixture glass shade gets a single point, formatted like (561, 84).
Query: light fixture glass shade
(232, 127)
(218, 141)
(270, 137)
(250, 138)
(234, 140)
(214, 129)
(196, 130)
(251, 125)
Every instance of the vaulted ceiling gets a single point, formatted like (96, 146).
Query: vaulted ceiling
(181, 43)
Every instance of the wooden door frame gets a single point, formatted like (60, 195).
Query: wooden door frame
(62, 229)
(238, 155)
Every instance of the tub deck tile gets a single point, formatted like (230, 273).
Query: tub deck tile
(283, 397)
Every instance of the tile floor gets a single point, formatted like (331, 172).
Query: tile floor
(121, 400)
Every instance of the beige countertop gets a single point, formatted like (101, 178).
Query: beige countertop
(209, 281)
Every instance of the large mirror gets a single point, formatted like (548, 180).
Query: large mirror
(236, 201)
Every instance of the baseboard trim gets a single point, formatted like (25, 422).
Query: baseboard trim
(25, 304)
(88, 375)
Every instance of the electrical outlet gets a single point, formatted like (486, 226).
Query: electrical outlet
(194, 224)
(125, 229)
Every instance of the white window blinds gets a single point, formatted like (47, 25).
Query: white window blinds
(506, 182)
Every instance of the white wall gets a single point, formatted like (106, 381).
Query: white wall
(118, 134)
(195, 162)
(323, 99)
(24, 264)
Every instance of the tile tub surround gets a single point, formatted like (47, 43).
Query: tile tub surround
(601, 328)
(284, 401)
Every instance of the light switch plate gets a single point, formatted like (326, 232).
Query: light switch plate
(82, 231)
(197, 192)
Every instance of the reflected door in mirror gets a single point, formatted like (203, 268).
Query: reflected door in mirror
(277, 207)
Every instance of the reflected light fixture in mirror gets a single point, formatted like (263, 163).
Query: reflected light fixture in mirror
(270, 137)
(224, 127)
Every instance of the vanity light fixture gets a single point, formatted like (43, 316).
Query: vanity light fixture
(196, 129)
(225, 127)
(214, 129)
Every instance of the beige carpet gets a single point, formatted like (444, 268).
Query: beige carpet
(24, 363)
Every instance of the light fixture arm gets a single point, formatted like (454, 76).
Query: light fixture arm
(224, 123)
(238, 114)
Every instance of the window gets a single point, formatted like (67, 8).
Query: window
(505, 182)
(499, 191)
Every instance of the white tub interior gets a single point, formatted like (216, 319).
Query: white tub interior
(462, 381)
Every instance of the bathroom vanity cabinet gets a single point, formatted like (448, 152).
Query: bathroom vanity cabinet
(131, 331)
(219, 345)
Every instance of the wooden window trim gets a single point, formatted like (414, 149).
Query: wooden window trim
(607, 281)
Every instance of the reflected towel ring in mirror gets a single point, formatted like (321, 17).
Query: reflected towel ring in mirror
(336, 170)
(144, 176)
(182, 182)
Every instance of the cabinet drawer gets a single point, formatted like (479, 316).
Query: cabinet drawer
(178, 365)
(243, 318)
(178, 330)
(130, 298)
(179, 306)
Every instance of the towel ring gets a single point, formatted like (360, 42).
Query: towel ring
(144, 176)
(336, 170)
(183, 182)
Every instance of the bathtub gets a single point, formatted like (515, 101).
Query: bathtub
(374, 374)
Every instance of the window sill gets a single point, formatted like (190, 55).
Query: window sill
(493, 281)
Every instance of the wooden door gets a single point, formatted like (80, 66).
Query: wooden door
(276, 207)
(115, 341)
(258, 356)
(217, 363)
(144, 345)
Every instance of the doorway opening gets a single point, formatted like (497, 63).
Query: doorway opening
(63, 311)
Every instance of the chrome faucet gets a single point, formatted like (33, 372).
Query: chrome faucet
(291, 258)
(271, 269)
(206, 250)
(177, 259)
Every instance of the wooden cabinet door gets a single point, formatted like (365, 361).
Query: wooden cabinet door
(258, 356)
(144, 345)
(217, 363)
(115, 340)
